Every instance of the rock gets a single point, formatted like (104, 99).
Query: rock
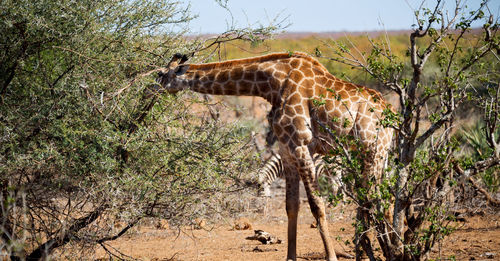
(314, 224)
(489, 255)
(162, 224)
(258, 249)
(199, 223)
(242, 224)
(119, 224)
(264, 237)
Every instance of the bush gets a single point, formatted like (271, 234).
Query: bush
(449, 68)
(80, 146)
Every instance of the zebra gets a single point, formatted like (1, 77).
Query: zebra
(273, 169)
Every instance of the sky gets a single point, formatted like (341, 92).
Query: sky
(314, 15)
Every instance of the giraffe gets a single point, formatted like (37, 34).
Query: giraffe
(291, 83)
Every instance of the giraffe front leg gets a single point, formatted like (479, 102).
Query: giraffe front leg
(292, 210)
(306, 168)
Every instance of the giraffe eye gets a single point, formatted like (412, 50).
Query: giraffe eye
(182, 69)
(170, 74)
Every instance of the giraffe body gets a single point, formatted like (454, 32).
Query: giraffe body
(304, 98)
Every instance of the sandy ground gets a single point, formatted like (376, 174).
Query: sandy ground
(477, 238)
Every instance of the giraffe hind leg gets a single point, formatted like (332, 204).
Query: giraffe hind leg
(318, 210)
(306, 168)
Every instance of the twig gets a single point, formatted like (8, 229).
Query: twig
(493, 202)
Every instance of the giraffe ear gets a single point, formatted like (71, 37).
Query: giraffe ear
(175, 60)
(181, 69)
(184, 59)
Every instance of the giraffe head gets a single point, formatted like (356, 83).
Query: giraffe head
(167, 77)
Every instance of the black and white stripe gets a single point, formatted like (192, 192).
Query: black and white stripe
(273, 169)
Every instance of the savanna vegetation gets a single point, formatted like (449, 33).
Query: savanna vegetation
(83, 148)
(447, 73)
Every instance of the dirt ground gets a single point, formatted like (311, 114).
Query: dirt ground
(476, 238)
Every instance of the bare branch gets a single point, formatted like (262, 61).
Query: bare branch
(65, 235)
(494, 202)
(481, 166)
(119, 234)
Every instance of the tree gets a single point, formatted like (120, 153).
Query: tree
(448, 67)
(81, 145)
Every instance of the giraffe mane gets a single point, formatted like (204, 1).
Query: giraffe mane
(258, 59)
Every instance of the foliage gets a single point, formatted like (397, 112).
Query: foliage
(446, 68)
(81, 147)
(478, 149)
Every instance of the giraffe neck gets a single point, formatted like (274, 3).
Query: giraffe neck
(234, 78)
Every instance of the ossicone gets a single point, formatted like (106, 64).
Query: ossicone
(184, 59)
(177, 59)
